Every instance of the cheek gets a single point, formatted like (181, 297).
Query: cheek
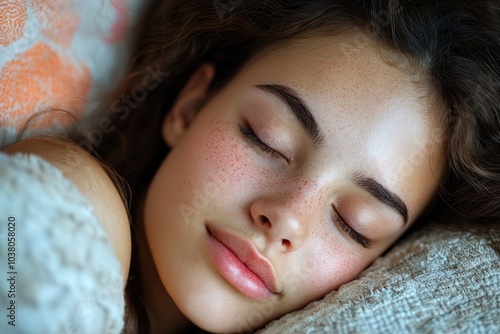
(221, 152)
(204, 170)
(326, 268)
(223, 158)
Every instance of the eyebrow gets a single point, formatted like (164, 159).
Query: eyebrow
(381, 193)
(299, 108)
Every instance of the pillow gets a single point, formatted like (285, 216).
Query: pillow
(434, 281)
(60, 55)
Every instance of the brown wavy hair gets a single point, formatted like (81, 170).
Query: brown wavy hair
(453, 44)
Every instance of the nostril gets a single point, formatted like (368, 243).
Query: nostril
(264, 220)
(285, 243)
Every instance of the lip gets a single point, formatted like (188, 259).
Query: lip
(237, 260)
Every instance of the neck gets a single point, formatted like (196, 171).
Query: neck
(164, 316)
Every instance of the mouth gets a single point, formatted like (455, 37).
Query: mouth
(241, 265)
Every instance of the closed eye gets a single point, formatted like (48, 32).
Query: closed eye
(352, 233)
(248, 132)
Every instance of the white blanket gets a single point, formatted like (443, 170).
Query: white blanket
(64, 275)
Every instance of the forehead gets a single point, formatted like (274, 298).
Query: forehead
(373, 110)
(337, 69)
(366, 89)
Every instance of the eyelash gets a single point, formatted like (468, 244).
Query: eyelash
(248, 132)
(351, 232)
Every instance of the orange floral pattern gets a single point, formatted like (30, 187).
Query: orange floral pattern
(59, 19)
(12, 20)
(55, 54)
(40, 80)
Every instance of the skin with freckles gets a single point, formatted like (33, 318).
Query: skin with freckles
(244, 164)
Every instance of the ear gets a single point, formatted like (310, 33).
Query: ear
(188, 103)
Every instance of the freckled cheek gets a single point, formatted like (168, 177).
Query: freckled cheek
(330, 268)
(226, 157)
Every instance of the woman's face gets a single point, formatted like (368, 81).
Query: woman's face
(289, 181)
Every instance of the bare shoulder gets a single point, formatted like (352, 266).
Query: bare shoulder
(94, 183)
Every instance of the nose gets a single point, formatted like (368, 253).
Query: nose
(282, 223)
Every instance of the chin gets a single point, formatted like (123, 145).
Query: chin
(222, 312)
(225, 325)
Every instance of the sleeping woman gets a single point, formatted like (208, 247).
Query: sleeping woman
(288, 145)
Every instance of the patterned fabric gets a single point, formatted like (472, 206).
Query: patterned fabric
(59, 54)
